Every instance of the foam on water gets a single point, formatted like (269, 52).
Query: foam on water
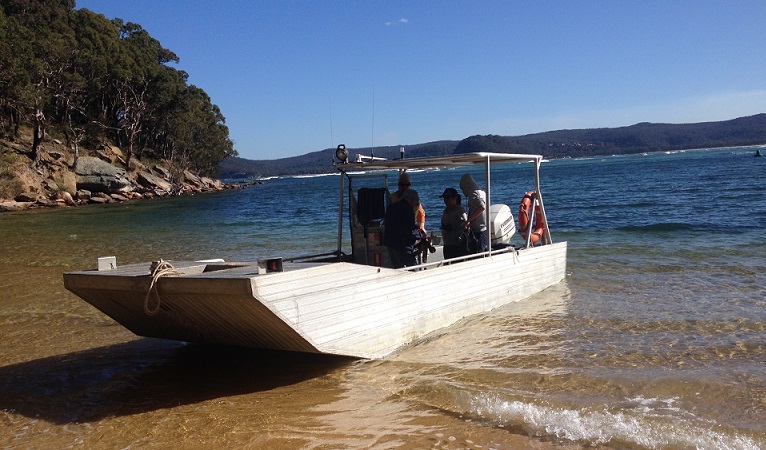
(649, 423)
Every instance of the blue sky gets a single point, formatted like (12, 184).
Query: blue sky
(293, 77)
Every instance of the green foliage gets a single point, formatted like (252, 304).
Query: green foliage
(95, 78)
(641, 137)
(10, 186)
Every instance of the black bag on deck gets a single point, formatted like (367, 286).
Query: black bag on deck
(469, 241)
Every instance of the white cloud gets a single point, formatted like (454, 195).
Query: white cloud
(402, 20)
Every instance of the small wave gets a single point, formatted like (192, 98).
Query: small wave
(670, 226)
(315, 175)
(652, 423)
(697, 227)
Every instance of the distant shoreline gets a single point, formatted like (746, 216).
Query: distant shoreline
(574, 158)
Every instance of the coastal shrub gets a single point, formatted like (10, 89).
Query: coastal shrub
(10, 186)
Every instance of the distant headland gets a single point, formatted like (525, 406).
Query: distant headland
(638, 138)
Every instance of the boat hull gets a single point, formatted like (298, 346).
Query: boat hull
(336, 308)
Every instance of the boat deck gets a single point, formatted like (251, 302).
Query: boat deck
(199, 269)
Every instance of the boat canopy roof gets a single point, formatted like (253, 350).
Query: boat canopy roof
(432, 162)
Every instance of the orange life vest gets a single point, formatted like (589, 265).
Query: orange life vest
(525, 213)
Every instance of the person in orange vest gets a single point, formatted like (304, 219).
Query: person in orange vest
(401, 235)
(403, 185)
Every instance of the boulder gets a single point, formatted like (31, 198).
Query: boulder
(110, 153)
(153, 182)
(66, 180)
(210, 184)
(192, 179)
(164, 173)
(96, 175)
(83, 194)
(14, 206)
(126, 190)
(97, 200)
(66, 197)
(51, 186)
(26, 197)
(56, 158)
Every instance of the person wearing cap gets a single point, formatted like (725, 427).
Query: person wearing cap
(401, 235)
(453, 218)
(403, 185)
(477, 204)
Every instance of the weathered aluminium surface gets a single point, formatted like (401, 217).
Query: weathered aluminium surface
(339, 305)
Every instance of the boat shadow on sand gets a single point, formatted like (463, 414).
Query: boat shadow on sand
(146, 375)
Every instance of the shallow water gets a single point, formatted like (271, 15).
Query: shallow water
(656, 339)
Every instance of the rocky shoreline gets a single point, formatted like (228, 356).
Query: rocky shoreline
(60, 180)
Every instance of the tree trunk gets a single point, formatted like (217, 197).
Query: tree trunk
(127, 157)
(39, 134)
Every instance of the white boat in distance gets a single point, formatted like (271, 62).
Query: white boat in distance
(334, 302)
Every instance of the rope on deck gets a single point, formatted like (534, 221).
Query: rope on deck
(160, 268)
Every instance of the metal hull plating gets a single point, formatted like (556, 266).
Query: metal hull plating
(336, 308)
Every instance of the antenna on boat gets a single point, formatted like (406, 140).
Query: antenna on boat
(332, 141)
(372, 142)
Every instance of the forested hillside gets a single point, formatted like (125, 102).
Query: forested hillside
(642, 137)
(81, 78)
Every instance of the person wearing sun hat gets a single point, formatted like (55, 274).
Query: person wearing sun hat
(453, 218)
(401, 234)
(403, 185)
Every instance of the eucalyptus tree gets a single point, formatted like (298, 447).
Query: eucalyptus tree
(41, 47)
(92, 77)
(139, 65)
(198, 137)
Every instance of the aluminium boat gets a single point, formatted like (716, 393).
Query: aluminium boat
(337, 303)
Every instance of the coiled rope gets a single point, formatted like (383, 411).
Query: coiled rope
(161, 268)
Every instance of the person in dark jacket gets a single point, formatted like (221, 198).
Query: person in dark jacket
(453, 218)
(401, 234)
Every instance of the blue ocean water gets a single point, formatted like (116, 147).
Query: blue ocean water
(656, 338)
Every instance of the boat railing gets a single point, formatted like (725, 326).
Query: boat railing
(334, 253)
(442, 262)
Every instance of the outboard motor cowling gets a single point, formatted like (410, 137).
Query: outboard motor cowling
(502, 225)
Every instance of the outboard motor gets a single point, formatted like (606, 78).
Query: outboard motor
(502, 225)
